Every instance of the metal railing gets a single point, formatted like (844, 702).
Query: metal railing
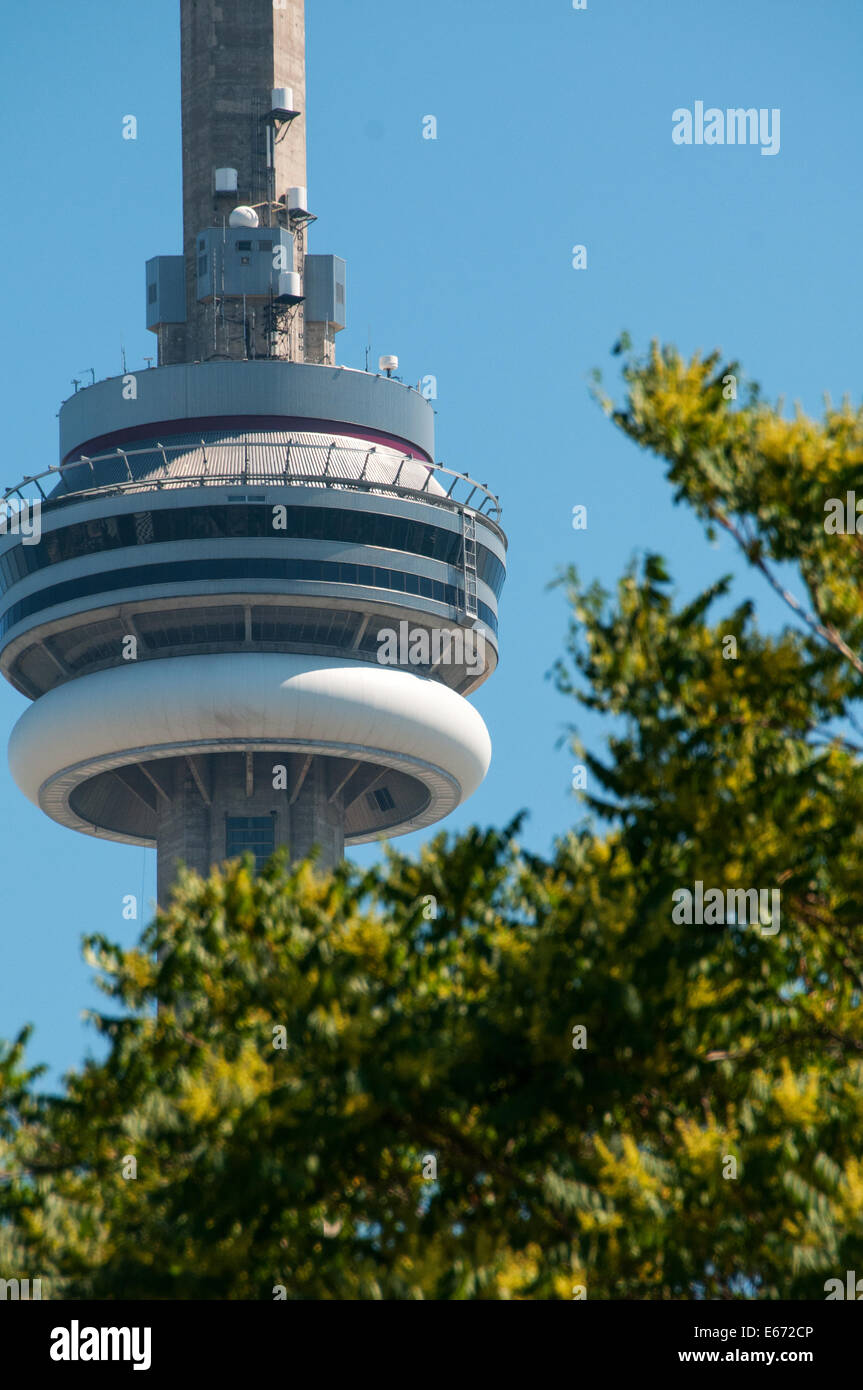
(458, 490)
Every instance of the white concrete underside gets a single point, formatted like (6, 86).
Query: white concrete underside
(256, 701)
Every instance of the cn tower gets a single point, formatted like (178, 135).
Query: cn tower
(257, 604)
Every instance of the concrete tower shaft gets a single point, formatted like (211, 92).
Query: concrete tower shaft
(233, 56)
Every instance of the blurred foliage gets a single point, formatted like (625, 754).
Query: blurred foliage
(428, 1006)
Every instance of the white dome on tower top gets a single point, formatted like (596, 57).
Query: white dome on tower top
(244, 217)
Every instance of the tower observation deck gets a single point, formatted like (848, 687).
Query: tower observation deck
(255, 604)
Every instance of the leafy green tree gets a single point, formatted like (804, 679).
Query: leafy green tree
(485, 1074)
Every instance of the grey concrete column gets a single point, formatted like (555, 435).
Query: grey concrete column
(320, 344)
(183, 833)
(192, 827)
(316, 821)
(232, 57)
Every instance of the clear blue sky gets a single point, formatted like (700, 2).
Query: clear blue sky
(554, 129)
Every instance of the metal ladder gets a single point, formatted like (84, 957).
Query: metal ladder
(469, 547)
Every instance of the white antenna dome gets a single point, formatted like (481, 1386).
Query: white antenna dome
(388, 364)
(244, 217)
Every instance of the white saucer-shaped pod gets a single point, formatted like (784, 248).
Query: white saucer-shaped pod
(252, 702)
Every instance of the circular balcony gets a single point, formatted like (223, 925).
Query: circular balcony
(247, 541)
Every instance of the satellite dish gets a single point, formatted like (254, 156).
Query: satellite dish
(244, 217)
